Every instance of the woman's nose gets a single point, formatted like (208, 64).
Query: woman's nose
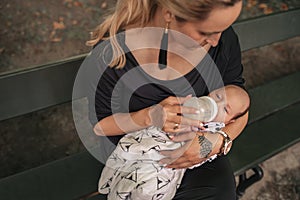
(213, 39)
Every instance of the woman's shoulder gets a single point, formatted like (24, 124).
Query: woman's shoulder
(229, 43)
(229, 37)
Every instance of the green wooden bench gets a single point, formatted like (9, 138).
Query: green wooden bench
(272, 126)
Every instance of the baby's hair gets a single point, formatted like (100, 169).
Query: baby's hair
(241, 114)
(247, 108)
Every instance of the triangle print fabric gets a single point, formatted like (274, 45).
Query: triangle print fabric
(132, 171)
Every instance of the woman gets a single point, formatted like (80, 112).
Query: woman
(205, 21)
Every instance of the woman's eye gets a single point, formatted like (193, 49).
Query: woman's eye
(201, 33)
(218, 96)
(205, 34)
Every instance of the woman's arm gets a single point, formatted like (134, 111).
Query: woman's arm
(190, 153)
(121, 123)
(233, 130)
(166, 115)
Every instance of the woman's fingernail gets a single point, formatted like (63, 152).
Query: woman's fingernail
(197, 111)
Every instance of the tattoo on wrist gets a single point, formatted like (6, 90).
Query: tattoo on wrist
(205, 146)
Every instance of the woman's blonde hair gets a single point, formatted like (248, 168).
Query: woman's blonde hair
(138, 13)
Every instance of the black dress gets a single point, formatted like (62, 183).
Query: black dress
(130, 89)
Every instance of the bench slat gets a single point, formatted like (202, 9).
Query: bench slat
(68, 178)
(265, 138)
(273, 96)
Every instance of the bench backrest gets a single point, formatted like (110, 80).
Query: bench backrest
(51, 84)
(273, 123)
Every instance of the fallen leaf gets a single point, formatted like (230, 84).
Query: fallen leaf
(268, 11)
(262, 6)
(56, 39)
(284, 7)
(252, 2)
(77, 4)
(2, 50)
(58, 25)
(74, 22)
(104, 5)
(248, 6)
(38, 14)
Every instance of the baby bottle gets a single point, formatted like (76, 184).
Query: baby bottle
(207, 107)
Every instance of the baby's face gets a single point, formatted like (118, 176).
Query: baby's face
(230, 103)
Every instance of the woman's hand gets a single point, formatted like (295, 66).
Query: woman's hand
(198, 148)
(168, 115)
(190, 153)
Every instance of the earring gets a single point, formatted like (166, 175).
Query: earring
(162, 58)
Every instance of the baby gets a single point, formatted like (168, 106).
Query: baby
(132, 171)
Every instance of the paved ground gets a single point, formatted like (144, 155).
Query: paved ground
(37, 32)
(281, 178)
